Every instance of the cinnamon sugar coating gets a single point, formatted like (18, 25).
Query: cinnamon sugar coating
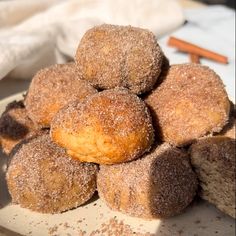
(112, 56)
(109, 127)
(43, 178)
(52, 88)
(190, 102)
(214, 162)
(159, 185)
(15, 125)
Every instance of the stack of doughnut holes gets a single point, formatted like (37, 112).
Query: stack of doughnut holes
(121, 121)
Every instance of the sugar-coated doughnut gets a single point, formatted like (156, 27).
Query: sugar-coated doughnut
(112, 56)
(159, 185)
(43, 178)
(190, 102)
(109, 127)
(213, 159)
(52, 88)
(15, 125)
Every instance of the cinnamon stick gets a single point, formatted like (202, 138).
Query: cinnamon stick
(194, 49)
(194, 58)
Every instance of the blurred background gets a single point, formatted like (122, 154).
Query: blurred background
(230, 3)
(36, 34)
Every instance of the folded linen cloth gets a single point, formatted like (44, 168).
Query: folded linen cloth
(35, 34)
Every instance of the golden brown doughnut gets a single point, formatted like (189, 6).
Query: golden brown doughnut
(51, 89)
(112, 56)
(43, 178)
(109, 127)
(15, 125)
(213, 159)
(159, 185)
(189, 103)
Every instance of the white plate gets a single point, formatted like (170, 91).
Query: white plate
(199, 219)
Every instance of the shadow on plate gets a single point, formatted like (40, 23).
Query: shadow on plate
(94, 198)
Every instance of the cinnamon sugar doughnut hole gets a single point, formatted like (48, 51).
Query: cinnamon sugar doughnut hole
(43, 178)
(109, 127)
(158, 185)
(214, 162)
(52, 88)
(190, 102)
(112, 56)
(15, 125)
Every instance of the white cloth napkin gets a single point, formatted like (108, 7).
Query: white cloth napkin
(35, 34)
